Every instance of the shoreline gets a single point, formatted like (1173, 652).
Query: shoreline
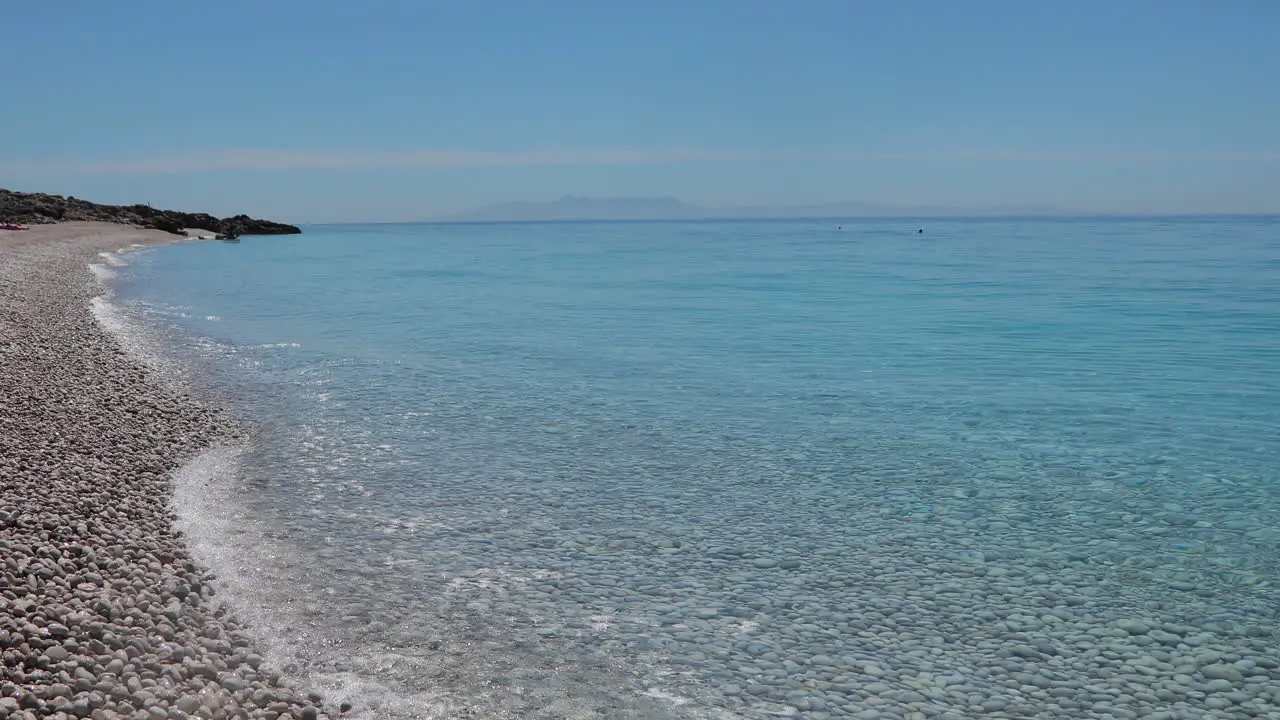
(104, 613)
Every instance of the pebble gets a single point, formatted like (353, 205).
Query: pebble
(1133, 627)
(56, 653)
(1221, 672)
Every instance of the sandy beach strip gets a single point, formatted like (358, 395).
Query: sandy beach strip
(103, 612)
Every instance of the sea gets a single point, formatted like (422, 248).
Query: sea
(868, 468)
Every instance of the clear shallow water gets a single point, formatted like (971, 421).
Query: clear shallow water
(743, 469)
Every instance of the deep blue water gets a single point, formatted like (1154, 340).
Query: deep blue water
(716, 469)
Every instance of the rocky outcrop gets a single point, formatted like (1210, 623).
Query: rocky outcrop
(42, 208)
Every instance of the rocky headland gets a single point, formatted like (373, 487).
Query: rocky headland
(43, 208)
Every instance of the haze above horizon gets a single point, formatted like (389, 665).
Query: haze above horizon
(331, 112)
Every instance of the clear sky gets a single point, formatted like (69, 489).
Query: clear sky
(319, 110)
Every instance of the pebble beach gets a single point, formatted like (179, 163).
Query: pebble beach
(103, 613)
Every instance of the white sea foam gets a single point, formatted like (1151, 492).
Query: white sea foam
(256, 578)
(114, 258)
(138, 339)
(113, 319)
(206, 500)
(107, 315)
(102, 272)
(141, 339)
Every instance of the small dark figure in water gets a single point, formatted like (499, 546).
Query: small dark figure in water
(920, 231)
(839, 227)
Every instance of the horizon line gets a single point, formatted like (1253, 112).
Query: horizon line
(1080, 215)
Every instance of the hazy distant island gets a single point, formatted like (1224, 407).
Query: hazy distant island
(669, 208)
(43, 208)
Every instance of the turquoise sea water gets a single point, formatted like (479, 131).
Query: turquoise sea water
(1005, 468)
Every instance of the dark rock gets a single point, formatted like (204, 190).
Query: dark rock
(42, 208)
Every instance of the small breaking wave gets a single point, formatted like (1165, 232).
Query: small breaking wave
(114, 258)
(138, 338)
(102, 272)
(267, 583)
(131, 335)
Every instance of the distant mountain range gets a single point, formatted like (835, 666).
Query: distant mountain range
(669, 208)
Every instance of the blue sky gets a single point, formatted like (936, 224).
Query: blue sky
(329, 111)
